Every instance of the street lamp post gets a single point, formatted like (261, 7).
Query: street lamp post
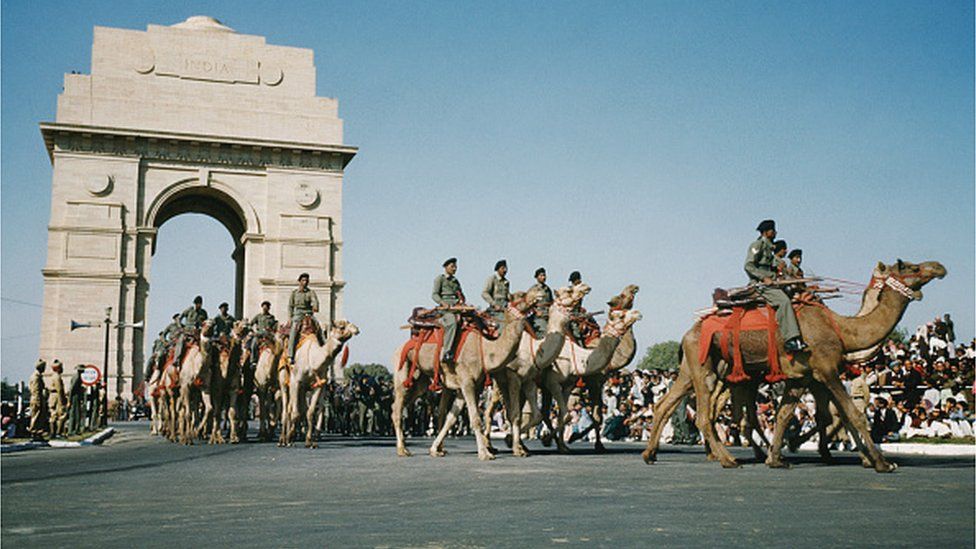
(108, 322)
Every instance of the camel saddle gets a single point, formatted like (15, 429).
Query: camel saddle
(425, 328)
(729, 327)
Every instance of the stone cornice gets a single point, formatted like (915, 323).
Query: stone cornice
(290, 282)
(182, 147)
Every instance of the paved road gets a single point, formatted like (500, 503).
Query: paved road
(141, 491)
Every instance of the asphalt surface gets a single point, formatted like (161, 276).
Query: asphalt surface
(141, 491)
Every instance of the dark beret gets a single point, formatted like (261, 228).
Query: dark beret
(779, 245)
(449, 261)
(223, 305)
(575, 276)
(796, 253)
(263, 303)
(500, 263)
(198, 299)
(766, 225)
(303, 275)
(540, 270)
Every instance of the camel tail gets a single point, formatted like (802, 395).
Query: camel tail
(681, 353)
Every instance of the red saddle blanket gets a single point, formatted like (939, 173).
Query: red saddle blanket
(435, 336)
(730, 327)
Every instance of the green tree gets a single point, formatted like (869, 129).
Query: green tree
(377, 371)
(8, 391)
(660, 356)
(899, 335)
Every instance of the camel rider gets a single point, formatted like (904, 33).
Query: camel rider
(57, 400)
(579, 313)
(540, 314)
(793, 269)
(191, 319)
(447, 292)
(303, 302)
(158, 355)
(760, 265)
(263, 325)
(38, 400)
(223, 322)
(495, 292)
(173, 329)
(779, 251)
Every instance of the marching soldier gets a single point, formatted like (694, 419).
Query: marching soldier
(262, 325)
(76, 405)
(57, 401)
(223, 322)
(761, 267)
(38, 400)
(540, 314)
(447, 292)
(303, 302)
(495, 292)
(192, 318)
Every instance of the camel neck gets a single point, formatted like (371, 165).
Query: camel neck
(624, 352)
(870, 329)
(499, 352)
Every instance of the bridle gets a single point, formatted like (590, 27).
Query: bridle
(896, 283)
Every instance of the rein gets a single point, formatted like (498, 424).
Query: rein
(894, 282)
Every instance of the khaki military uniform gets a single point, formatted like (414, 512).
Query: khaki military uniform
(447, 292)
(223, 324)
(262, 325)
(540, 313)
(761, 263)
(57, 402)
(300, 304)
(496, 294)
(192, 319)
(38, 403)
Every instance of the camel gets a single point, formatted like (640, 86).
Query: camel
(194, 386)
(266, 388)
(225, 382)
(313, 366)
(515, 386)
(476, 359)
(829, 336)
(589, 366)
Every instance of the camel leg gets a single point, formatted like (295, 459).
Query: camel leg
(232, 417)
(471, 399)
(450, 418)
(531, 416)
(752, 423)
(557, 393)
(494, 397)
(595, 387)
(403, 397)
(791, 395)
(824, 421)
(216, 436)
(263, 412)
(208, 412)
(704, 419)
(513, 409)
(546, 413)
(857, 420)
(663, 411)
(311, 436)
(283, 403)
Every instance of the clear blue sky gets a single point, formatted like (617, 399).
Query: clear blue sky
(636, 142)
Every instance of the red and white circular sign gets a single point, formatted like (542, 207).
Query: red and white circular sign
(91, 375)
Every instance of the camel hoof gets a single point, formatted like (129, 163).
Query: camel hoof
(403, 452)
(730, 464)
(235, 440)
(777, 464)
(437, 453)
(486, 456)
(523, 453)
(649, 457)
(508, 440)
(866, 463)
(886, 467)
(492, 450)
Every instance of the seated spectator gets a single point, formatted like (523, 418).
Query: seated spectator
(884, 424)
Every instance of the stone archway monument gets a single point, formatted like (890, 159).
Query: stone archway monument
(192, 117)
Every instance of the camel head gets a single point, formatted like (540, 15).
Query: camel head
(206, 329)
(239, 329)
(343, 330)
(619, 321)
(907, 278)
(625, 300)
(523, 302)
(579, 292)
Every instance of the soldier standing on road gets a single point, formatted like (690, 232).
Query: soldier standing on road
(540, 314)
(191, 319)
(761, 267)
(38, 400)
(76, 405)
(303, 302)
(447, 292)
(496, 291)
(223, 322)
(57, 400)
